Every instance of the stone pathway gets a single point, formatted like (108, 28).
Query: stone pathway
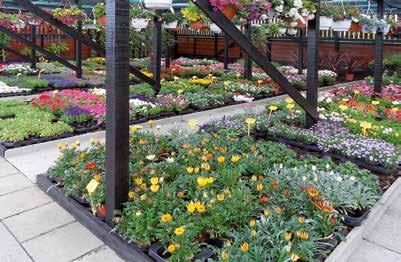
(34, 228)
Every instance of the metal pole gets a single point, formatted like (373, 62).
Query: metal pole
(378, 81)
(33, 39)
(117, 106)
(156, 54)
(167, 60)
(312, 81)
(78, 45)
(225, 51)
(247, 59)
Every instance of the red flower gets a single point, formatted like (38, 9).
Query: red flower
(90, 166)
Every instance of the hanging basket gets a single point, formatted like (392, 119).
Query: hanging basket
(214, 28)
(102, 20)
(139, 23)
(196, 25)
(341, 26)
(292, 31)
(302, 21)
(229, 11)
(325, 22)
(171, 25)
(158, 4)
(355, 27)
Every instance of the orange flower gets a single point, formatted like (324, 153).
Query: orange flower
(326, 207)
(275, 184)
(263, 199)
(302, 235)
(313, 192)
(287, 236)
(278, 210)
(97, 177)
(90, 166)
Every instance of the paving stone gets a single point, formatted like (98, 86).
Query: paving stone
(10, 249)
(386, 233)
(38, 221)
(101, 254)
(13, 183)
(23, 200)
(63, 244)
(6, 168)
(369, 252)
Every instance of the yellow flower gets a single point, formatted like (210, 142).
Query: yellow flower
(202, 181)
(228, 243)
(196, 170)
(302, 235)
(154, 180)
(151, 123)
(375, 102)
(135, 128)
(224, 256)
(138, 181)
(190, 170)
(171, 248)
(343, 107)
(278, 210)
(191, 207)
(179, 231)
(287, 236)
(245, 247)
(254, 178)
(289, 100)
(365, 124)
(250, 121)
(290, 106)
(253, 233)
(192, 123)
(131, 194)
(154, 188)
(294, 257)
(301, 219)
(200, 207)
(273, 108)
(252, 223)
(166, 218)
(266, 212)
(235, 158)
(220, 197)
(206, 166)
(221, 159)
(259, 187)
(210, 180)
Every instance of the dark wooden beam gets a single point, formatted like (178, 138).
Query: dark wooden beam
(78, 45)
(33, 39)
(10, 50)
(226, 51)
(301, 45)
(247, 58)
(33, 46)
(229, 29)
(312, 80)
(378, 74)
(117, 106)
(156, 52)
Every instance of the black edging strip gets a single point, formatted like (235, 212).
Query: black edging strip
(128, 252)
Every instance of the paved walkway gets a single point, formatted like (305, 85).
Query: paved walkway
(34, 228)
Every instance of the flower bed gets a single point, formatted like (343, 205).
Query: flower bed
(228, 197)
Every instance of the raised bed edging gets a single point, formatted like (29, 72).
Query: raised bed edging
(128, 252)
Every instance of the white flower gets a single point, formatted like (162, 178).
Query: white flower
(339, 179)
(298, 3)
(314, 168)
(352, 178)
(151, 157)
(170, 160)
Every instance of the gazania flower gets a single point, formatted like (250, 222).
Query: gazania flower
(287, 236)
(235, 158)
(202, 181)
(221, 159)
(266, 212)
(263, 199)
(97, 177)
(138, 181)
(179, 231)
(302, 235)
(220, 197)
(301, 219)
(274, 184)
(191, 207)
(200, 207)
(294, 257)
(90, 165)
(259, 187)
(278, 210)
(252, 223)
(206, 166)
(313, 192)
(326, 207)
(166, 218)
(171, 248)
(224, 256)
(253, 233)
(131, 195)
(245, 247)
(190, 170)
(154, 180)
(155, 188)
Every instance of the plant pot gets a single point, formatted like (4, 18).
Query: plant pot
(292, 31)
(325, 22)
(341, 26)
(205, 29)
(214, 28)
(158, 4)
(349, 77)
(302, 21)
(282, 30)
(229, 11)
(101, 211)
(356, 217)
(171, 25)
(139, 23)
(355, 27)
(102, 20)
(197, 25)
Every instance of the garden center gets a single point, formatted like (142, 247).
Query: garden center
(201, 130)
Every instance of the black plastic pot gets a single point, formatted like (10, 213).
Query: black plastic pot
(355, 218)
(156, 251)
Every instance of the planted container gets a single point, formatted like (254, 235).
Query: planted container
(214, 28)
(341, 25)
(229, 11)
(158, 4)
(139, 23)
(171, 25)
(326, 22)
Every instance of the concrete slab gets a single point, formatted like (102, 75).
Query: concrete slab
(13, 183)
(63, 244)
(10, 249)
(20, 201)
(38, 221)
(369, 252)
(103, 253)
(6, 168)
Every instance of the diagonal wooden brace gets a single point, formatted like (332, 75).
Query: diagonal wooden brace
(229, 28)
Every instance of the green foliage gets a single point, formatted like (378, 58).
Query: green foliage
(30, 82)
(57, 48)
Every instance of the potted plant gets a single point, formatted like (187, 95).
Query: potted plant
(171, 20)
(11, 21)
(139, 17)
(68, 16)
(214, 28)
(341, 19)
(351, 63)
(158, 4)
(228, 8)
(99, 12)
(326, 19)
(193, 16)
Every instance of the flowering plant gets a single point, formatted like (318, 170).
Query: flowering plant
(68, 16)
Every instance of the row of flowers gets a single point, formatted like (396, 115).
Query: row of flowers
(240, 199)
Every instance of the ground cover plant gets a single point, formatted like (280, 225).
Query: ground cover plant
(188, 191)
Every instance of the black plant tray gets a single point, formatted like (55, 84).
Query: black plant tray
(127, 251)
(356, 219)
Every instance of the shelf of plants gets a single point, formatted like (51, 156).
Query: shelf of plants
(227, 193)
(188, 86)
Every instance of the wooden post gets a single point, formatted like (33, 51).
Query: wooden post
(156, 53)
(33, 39)
(167, 58)
(225, 51)
(269, 49)
(312, 81)
(301, 51)
(78, 45)
(247, 59)
(117, 106)
(216, 45)
(378, 81)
